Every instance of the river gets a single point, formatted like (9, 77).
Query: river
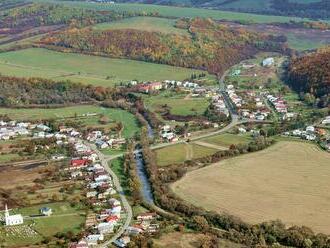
(146, 190)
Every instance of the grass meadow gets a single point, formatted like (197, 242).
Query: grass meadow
(151, 24)
(288, 181)
(37, 62)
(170, 11)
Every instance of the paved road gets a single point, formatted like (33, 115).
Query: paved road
(127, 207)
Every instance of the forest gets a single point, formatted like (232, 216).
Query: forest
(210, 46)
(35, 15)
(26, 92)
(310, 74)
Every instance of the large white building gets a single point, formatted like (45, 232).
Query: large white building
(12, 220)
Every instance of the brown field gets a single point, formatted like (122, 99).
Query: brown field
(187, 240)
(288, 181)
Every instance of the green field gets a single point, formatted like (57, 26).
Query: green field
(144, 23)
(302, 44)
(178, 104)
(181, 12)
(181, 152)
(115, 115)
(64, 219)
(228, 139)
(36, 62)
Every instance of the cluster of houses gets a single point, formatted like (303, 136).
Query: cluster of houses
(280, 107)
(219, 105)
(145, 222)
(104, 141)
(310, 133)
(12, 129)
(100, 192)
(167, 134)
(147, 87)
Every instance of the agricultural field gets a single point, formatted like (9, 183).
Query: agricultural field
(228, 139)
(95, 70)
(181, 152)
(187, 240)
(178, 104)
(288, 181)
(178, 12)
(77, 113)
(150, 24)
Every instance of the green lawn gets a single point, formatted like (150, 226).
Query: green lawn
(144, 23)
(181, 12)
(115, 115)
(37, 62)
(116, 166)
(228, 139)
(64, 218)
(181, 152)
(177, 103)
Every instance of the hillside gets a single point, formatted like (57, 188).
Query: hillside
(210, 46)
(311, 74)
(301, 8)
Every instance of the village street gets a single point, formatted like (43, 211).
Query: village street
(127, 207)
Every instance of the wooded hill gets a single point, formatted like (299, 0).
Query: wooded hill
(22, 92)
(311, 74)
(35, 15)
(210, 46)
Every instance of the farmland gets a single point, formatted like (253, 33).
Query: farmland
(228, 139)
(94, 70)
(182, 12)
(181, 152)
(144, 23)
(282, 182)
(115, 115)
(177, 104)
(187, 240)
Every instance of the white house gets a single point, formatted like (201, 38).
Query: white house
(268, 62)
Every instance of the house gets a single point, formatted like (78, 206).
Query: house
(101, 144)
(310, 129)
(146, 216)
(80, 244)
(268, 62)
(91, 194)
(133, 230)
(43, 127)
(122, 242)
(105, 227)
(46, 211)
(93, 239)
(77, 164)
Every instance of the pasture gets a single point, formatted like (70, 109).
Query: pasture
(95, 70)
(181, 152)
(228, 139)
(150, 24)
(187, 240)
(288, 181)
(77, 112)
(178, 104)
(178, 12)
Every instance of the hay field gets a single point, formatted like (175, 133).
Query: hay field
(100, 71)
(288, 181)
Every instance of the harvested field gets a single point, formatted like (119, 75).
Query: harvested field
(187, 240)
(288, 181)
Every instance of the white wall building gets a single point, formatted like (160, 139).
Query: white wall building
(12, 220)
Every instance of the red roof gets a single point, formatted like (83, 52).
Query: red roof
(77, 162)
(112, 218)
